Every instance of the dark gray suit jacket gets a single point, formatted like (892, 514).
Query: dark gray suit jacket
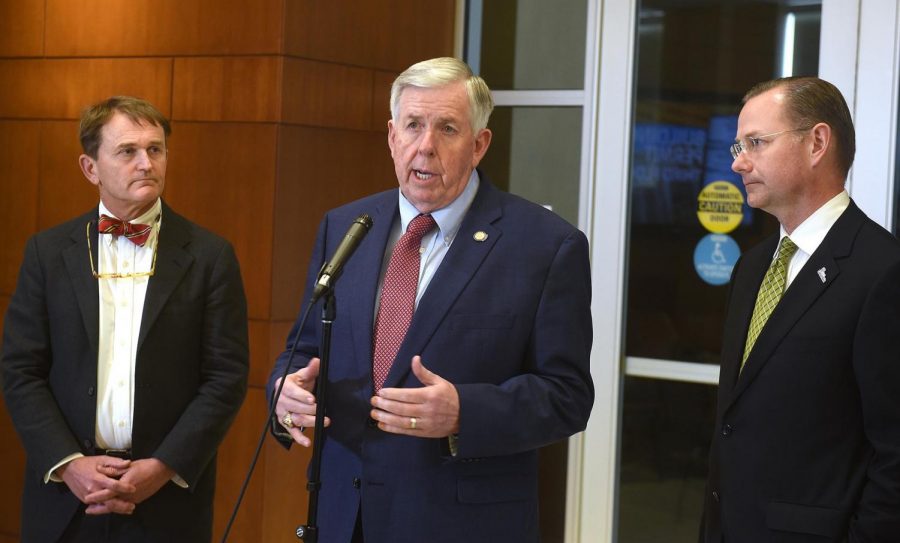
(190, 373)
(807, 440)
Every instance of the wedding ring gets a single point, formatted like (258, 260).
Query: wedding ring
(287, 420)
(412, 422)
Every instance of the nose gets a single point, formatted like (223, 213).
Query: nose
(741, 164)
(426, 144)
(143, 160)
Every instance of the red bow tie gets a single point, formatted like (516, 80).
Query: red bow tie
(136, 233)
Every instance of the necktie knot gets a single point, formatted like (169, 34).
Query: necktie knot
(419, 226)
(134, 232)
(786, 250)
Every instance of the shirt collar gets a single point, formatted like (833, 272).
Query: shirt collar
(810, 233)
(448, 218)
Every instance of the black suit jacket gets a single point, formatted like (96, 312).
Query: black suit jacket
(190, 373)
(807, 440)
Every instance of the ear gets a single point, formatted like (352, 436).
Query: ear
(392, 135)
(821, 143)
(482, 142)
(89, 168)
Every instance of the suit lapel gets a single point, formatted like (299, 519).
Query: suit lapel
(458, 268)
(83, 282)
(172, 262)
(802, 293)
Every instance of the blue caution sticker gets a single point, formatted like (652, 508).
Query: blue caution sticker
(714, 258)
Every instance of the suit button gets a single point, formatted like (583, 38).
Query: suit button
(90, 391)
(87, 444)
(356, 482)
(715, 496)
(372, 423)
(726, 430)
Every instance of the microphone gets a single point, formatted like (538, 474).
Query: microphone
(332, 269)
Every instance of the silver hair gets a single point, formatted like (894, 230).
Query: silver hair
(438, 72)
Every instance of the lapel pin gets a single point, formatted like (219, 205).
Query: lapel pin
(480, 236)
(821, 272)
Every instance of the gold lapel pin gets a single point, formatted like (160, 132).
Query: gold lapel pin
(480, 236)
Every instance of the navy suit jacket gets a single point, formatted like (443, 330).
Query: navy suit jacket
(190, 374)
(807, 440)
(507, 321)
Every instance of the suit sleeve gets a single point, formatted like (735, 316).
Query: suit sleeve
(876, 360)
(192, 442)
(26, 363)
(552, 397)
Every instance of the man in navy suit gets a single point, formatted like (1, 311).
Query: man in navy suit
(441, 443)
(807, 440)
(124, 351)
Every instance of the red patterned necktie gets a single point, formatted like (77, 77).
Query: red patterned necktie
(136, 233)
(398, 297)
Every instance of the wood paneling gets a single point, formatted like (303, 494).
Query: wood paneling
(286, 498)
(12, 476)
(322, 94)
(318, 169)
(23, 28)
(163, 27)
(19, 180)
(227, 89)
(222, 176)
(386, 34)
(61, 88)
(235, 455)
(260, 354)
(64, 193)
(381, 101)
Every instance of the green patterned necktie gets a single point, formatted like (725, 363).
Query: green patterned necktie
(769, 293)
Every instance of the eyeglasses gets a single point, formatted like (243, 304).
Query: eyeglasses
(132, 275)
(751, 143)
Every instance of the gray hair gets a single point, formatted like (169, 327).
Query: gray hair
(438, 72)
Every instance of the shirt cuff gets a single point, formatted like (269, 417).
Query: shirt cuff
(453, 443)
(52, 476)
(179, 481)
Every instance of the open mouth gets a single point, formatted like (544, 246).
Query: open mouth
(423, 175)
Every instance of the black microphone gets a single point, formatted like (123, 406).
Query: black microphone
(332, 269)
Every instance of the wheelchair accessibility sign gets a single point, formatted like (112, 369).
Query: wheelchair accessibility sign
(714, 257)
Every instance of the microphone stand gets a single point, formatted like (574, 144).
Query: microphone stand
(309, 532)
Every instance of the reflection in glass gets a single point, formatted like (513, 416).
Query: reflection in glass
(696, 60)
(535, 153)
(530, 44)
(666, 429)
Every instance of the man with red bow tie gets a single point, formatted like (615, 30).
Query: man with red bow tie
(124, 351)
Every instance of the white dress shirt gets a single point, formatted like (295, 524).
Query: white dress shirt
(809, 235)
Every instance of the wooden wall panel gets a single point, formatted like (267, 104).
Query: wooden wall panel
(63, 193)
(222, 176)
(19, 178)
(381, 101)
(286, 499)
(323, 94)
(227, 89)
(12, 476)
(163, 27)
(23, 28)
(318, 169)
(260, 353)
(235, 455)
(386, 34)
(62, 88)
